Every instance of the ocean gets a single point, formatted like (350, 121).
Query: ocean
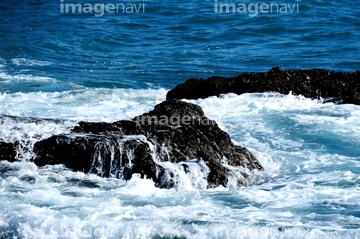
(108, 61)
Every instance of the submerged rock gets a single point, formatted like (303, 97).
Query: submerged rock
(174, 139)
(316, 83)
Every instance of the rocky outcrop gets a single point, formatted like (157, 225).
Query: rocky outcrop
(174, 135)
(316, 83)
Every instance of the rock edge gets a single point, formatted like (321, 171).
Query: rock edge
(340, 87)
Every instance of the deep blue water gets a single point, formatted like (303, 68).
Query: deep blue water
(168, 43)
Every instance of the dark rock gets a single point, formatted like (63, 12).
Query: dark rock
(174, 132)
(7, 152)
(313, 83)
(69, 150)
(97, 128)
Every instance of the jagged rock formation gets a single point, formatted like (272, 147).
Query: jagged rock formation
(174, 132)
(316, 83)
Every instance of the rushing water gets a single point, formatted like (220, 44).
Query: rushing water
(73, 67)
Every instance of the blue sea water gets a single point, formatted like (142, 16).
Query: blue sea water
(78, 66)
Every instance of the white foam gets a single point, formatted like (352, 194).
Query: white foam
(87, 104)
(28, 62)
(27, 133)
(189, 175)
(264, 121)
(24, 77)
(69, 208)
(309, 189)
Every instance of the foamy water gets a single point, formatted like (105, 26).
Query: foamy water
(309, 189)
(71, 67)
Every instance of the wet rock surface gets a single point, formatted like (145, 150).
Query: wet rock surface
(339, 87)
(174, 132)
(7, 151)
